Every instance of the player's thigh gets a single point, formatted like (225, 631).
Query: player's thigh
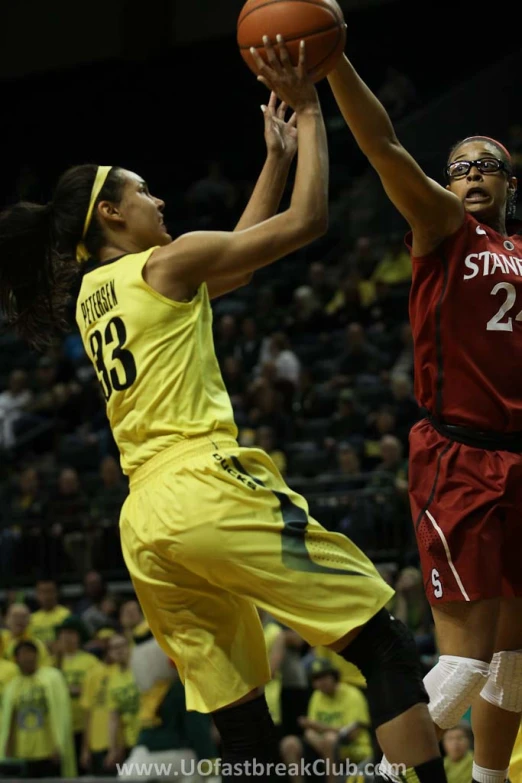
(512, 526)
(509, 628)
(259, 542)
(214, 637)
(456, 495)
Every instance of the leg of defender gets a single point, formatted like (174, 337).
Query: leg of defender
(496, 714)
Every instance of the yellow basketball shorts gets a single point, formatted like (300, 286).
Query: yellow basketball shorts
(209, 532)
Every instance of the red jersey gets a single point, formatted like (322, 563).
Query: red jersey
(466, 317)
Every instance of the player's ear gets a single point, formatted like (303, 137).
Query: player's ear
(110, 212)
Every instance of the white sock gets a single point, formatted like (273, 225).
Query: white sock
(389, 771)
(483, 775)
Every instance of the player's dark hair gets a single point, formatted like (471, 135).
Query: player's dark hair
(38, 252)
(504, 156)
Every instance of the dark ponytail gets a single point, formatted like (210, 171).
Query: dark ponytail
(38, 253)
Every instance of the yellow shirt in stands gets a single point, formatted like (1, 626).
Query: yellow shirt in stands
(347, 705)
(43, 623)
(8, 645)
(8, 670)
(124, 698)
(273, 688)
(95, 702)
(348, 671)
(75, 668)
(515, 765)
(460, 771)
(33, 737)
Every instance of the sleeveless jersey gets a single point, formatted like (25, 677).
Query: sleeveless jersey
(466, 317)
(154, 358)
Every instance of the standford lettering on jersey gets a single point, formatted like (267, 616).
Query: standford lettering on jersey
(100, 302)
(487, 263)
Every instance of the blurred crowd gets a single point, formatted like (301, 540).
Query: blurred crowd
(85, 689)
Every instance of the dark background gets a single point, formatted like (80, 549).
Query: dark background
(160, 87)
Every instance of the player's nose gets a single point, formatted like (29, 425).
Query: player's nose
(159, 203)
(474, 174)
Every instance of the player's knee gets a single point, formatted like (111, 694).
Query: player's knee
(386, 654)
(504, 685)
(291, 747)
(452, 685)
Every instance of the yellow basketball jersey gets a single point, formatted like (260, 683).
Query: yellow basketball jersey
(154, 358)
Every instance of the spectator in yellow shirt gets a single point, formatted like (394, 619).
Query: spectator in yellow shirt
(131, 619)
(74, 663)
(35, 721)
(50, 614)
(336, 728)
(95, 702)
(17, 621)
(458, 759)
(515, 764)
(124, 703)
(275, 647)
(8, 670)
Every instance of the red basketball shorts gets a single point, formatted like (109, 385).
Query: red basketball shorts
(466, 506)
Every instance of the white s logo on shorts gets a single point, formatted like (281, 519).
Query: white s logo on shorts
(437, 584)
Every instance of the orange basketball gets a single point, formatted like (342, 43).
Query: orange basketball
(318, 22)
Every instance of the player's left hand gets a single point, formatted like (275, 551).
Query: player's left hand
(280, 135)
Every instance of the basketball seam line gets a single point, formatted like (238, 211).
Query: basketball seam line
(295, 38)
(319, 64)
(310, 2)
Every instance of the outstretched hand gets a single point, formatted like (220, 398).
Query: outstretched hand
(291, 84)
(280, 134)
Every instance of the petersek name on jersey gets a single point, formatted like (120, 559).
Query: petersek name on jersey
(100, 302)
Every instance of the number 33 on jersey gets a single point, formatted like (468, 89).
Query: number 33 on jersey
(466, 315)
(154, 359)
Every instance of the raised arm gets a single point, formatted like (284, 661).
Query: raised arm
(281, 146)
(432, 211)
(178, 269)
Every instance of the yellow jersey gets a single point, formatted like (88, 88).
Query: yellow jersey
(8, 670)
(95, 701)
(273, 688)
(154, 358)
(43, 624)
(124, 698)
(348, 671)
(74, 669)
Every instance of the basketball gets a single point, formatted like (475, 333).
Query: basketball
(318, 22)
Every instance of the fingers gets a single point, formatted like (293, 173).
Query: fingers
(260, 63)
(281, 112)
(272, 103)
(292, 122)
(272, 57)
(301, 67)
(283, 53)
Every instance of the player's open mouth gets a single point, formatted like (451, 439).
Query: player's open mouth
(476, 195)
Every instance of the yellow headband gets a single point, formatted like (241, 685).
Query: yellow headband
(82, 253)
